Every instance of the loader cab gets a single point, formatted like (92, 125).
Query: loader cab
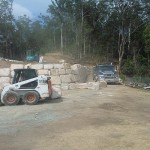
(25, 74)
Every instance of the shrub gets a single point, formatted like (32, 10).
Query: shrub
(128, 68)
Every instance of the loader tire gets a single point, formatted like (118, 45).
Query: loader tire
(1, 103)
(31, 98)
(11, 98)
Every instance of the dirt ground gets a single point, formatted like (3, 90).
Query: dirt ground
(47, 58)
(113, 118)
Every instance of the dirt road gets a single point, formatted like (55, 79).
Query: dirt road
(113, 118)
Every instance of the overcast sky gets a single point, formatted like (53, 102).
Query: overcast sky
(31, 8)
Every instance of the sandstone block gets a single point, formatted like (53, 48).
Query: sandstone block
(81, 85)
(37, 66)
(27, 66)
(58, 66)
(94, 85)
(12, 74)
(74, 78)
(43, 72)
(16, 66)
(49, 72)
(103, 84)
(54, 72)
(57, 86)
(48, 66)
(5, 72)
(72, 86)
(65, 86)
(62, 61)
(77, 69)
(56, 93)
(75, 66)
(3, 85)
(68, 71)
(55, 80)
(67, 66)
(4, 80)
(62, 71)
(83, 74)
(65, 78)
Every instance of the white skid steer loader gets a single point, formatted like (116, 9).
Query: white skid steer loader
(26, 86)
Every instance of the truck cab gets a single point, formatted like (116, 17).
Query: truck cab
(107, 73)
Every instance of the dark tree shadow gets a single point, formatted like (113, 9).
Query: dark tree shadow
(49, 100)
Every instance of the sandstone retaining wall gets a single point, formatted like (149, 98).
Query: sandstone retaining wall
(63, 75)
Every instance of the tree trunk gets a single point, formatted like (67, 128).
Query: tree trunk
(84, 47)
(134, 57)
(148, 60)
(121, 47)
(61, 30)
(129, 37)
(54, 41)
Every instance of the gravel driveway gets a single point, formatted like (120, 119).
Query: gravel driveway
(113, 118)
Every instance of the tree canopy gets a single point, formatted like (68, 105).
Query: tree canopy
(97, 30)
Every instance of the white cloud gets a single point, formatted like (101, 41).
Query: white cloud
(19, 10)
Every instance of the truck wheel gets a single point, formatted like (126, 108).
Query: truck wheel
(11, 98)
(31, 98)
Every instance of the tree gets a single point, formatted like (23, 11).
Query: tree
(146, 35)
(37, 37)
(57, 9)
(126, 17)
(6, 27)
(22, 35)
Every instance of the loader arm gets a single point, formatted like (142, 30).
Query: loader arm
(19, 84)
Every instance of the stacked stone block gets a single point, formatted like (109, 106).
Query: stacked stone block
(4, 77)
(62, 75)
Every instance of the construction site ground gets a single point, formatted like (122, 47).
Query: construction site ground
(114, 118)
(47, 58)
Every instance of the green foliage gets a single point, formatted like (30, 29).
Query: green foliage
(6, 28)
(142, 70)
(128, 68)
(141, 79)
(122, 77)
(146, 35)
(141, 61)
(99, 30)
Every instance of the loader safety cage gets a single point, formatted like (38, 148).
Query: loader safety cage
(25, 74)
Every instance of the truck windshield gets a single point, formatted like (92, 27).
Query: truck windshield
(106, 68)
